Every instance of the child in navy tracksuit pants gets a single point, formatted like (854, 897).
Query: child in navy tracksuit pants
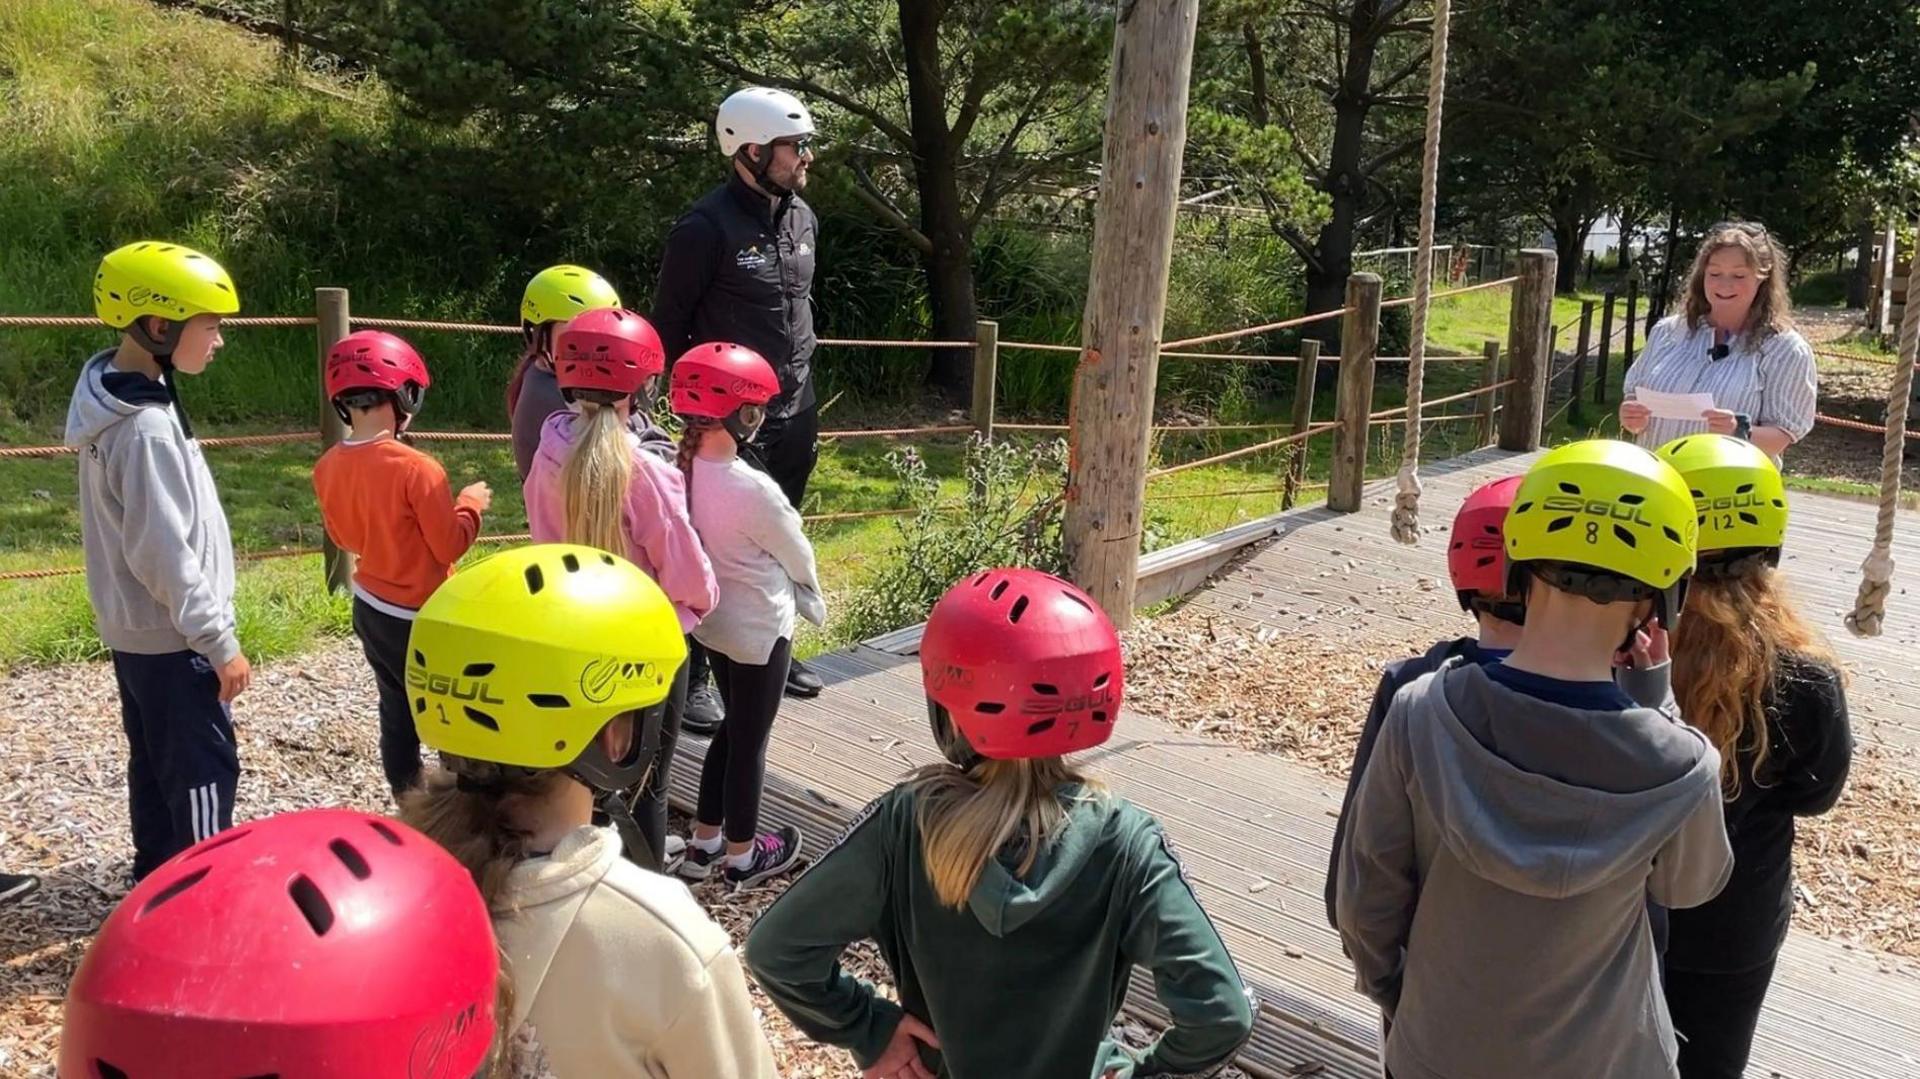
(160, 574)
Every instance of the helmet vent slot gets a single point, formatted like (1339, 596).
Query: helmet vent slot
(1631, 499)
(1620, 533)
(606, 559)
(1102, 680)
(990, 708)
(1019, 608)
(232, 835)
(1555, 526)
(476, 670)
(548, 700)
(1043, 688)
(571, 562)
(1569, 488)
(1749, 518)
(386, 833)
(312, 903)
(1744, 489)
(1083, 603)
(1040, 726)
(1099, 717)
(482, 718)
(1672, 535)
(1523, 507)
(535, 580)
(419, 706)
(999, 589)
(1485, 561)
(174, 889)
(108, 1071)
(350, 858)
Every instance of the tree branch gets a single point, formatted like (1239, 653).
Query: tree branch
(1315, 170)
(1257, 65)
(869, 193)
(975, 94)
(1399, 149)
(874, 116)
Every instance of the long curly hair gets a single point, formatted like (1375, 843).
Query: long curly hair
(1727, 661)
(1772, 310)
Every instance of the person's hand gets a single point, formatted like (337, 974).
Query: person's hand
(1634, 416)
(235, 676)
(479, 494)
(1720, 421)
(901, 1060)
(1649, 648)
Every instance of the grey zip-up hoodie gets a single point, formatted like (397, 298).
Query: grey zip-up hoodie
(158, 553)
(1495, 877)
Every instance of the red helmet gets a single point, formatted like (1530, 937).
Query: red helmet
(1024, 663)
(377, 360)
(609, 349)
(1476, 555)
(320, 945)
(714, 380)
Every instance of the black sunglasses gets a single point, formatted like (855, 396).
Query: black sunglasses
(800, 145)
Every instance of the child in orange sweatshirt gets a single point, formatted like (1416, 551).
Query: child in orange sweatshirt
(389, 504)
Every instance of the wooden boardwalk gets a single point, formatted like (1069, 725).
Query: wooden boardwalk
(1254, 829)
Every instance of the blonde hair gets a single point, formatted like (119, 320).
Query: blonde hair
(474, 823)
(1772, 310)
(1726, 663)
(967, 815)
(595, 480)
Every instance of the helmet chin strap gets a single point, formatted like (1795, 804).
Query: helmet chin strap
(161, 349)
(953, 745)
(760, 172)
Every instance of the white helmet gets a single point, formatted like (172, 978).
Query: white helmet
(760, 114)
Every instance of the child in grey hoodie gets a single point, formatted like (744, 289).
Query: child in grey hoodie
(158, 554)
(1515, 818)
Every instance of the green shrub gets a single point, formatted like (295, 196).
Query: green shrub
(1010, 516)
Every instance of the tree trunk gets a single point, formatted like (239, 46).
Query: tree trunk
(1569, 239)
(1346, 186)
(949, 267)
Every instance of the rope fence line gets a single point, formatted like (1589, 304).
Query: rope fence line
(1257, 447)
(88, 322)
(1249, 331)
(1883, 361)
(428, 324)
(1856, 425)
(1392, 412)
(1407, 301)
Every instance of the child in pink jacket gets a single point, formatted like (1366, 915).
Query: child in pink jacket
(592, 483)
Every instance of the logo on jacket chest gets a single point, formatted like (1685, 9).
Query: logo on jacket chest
(751, 257)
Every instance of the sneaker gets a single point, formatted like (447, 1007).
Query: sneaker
(15, 885)
(673, 855)
(802, 682)
(697, 864)
(704, 712)
(773, 853)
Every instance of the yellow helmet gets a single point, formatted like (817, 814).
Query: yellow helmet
(1738, 496)
(558, 293)
(153, 277)
(1611, 507)
(521, 659)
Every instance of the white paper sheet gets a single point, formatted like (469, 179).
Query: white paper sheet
(1674, 406)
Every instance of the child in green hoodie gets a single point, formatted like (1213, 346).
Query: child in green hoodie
(1010, 895)
(159, 555)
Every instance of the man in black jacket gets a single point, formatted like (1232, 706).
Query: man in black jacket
(738, 267)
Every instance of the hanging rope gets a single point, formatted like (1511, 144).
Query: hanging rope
(1870, 608)
(1406, 501)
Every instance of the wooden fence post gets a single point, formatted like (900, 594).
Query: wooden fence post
(1306, 373)
(330, 309)
(1580, 357)
(1880, 308)
(986, 367)
(1489, 375)
(1633, 301)
(1359, 345)
(1111, 414)
(1529, 352)
(1606, 348)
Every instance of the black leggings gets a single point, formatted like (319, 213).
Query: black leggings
(650, 801)
(1715, 1016)
(736, 765)
(383, 640)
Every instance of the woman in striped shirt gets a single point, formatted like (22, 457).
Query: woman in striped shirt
(1735, 341)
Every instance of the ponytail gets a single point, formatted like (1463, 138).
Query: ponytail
(474, 823)
(595, 480)
(696, 429)
(967, 816)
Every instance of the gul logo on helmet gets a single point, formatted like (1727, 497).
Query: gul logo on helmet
(469, 685)
(1083, 702)
(1741, 501)
(949, 674)
(602, 678)
(434, 1055)
(1596, 507)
